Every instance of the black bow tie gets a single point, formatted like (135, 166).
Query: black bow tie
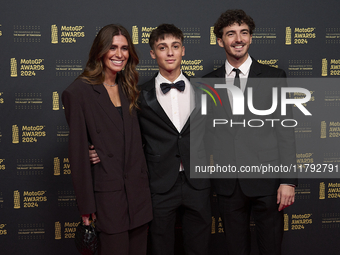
(165, 87)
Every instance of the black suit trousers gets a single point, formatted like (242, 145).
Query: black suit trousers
(130, 242)
(195, 215)
(235, 212)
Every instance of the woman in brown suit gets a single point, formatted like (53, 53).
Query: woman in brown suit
(100, 109)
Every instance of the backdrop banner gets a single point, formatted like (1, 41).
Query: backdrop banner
(45, 45)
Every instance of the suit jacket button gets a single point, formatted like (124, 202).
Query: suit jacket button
(110, 155)
(180, 137)
(178, 156)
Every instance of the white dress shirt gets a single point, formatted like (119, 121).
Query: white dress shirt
(178, 105)
(244, 71)
(230, 76)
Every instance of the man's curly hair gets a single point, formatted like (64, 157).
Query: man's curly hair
(230, 17)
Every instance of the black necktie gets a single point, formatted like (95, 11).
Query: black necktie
(237, 78)
(165, 87)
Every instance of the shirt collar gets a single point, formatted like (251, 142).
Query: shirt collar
(160, 78)
(244, 68)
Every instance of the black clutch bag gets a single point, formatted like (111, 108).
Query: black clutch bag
(86, 239)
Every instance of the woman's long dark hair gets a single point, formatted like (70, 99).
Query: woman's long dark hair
(94, 71)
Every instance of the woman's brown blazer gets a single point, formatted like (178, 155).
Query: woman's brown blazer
(117, 188)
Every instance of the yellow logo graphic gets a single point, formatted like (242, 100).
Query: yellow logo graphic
(322, 191)
(213, 225)
(134, 34)
(286, 222)
(16, 199)
(3, 231)
(1, 100)
(54, 34)
(212, 36)
(14, 68)
(323, 129)
(56, 166)
(324, 67)
(15, 134)
(2, 165)
(57, 231)
(220, 225)
(55, 101)
(288, 36)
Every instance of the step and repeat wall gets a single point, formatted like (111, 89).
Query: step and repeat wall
(44, 47)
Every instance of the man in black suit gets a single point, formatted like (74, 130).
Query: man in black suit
(242, 145)
(167, 108)
(166, 103)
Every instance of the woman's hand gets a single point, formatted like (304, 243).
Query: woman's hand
(86, 218)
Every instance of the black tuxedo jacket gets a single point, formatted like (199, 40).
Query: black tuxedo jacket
(117, 188)
(252, 146)
(165, 148)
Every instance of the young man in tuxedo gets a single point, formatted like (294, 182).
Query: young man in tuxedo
(251, 146)
(167, 103)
